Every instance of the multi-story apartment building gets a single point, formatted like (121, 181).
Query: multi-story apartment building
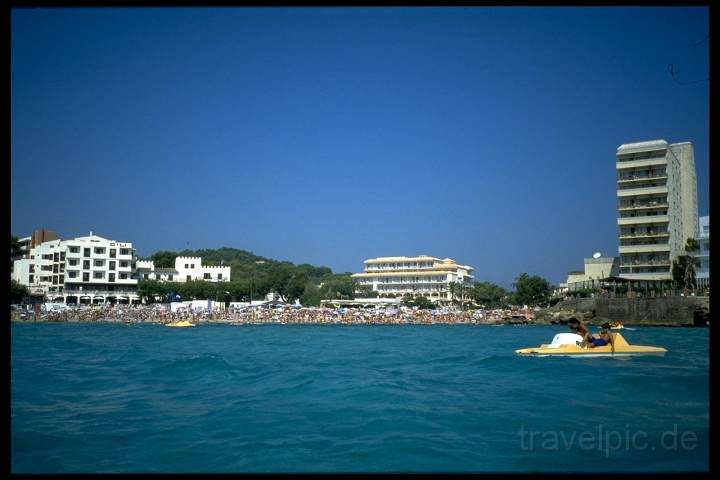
(703, 238)
(29, 242)
(418, 276)
(186, 269)
(657, 206)
(82, 270)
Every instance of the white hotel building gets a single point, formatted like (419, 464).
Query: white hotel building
(186, 269)
(418, 276)
(83, 270)
(657, 206)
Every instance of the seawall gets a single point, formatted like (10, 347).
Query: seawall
(658, 311)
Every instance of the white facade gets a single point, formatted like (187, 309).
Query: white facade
(657, 206)
(88, 269)
(146, 270)
(191, 268)
(703, 238)
(186, 269)
(596, 269)
(418, 276)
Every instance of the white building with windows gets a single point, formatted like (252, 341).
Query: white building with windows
(703, 238)
(657, 206)
(596, 269)
(82, 270)
(186, 269)
(418, 276)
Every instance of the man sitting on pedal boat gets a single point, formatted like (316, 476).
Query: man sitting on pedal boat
(589, 341)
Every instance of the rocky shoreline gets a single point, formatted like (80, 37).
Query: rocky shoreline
(653, 311)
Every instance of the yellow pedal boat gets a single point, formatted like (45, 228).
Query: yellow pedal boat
(568, 344)
(180, 323)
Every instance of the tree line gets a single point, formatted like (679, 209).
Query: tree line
(252, 277)
(530, 290)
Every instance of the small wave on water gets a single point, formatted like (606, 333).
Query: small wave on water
(193, 365)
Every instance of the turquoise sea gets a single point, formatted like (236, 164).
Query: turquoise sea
(297, 398)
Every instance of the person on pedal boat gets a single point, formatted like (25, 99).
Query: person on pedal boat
(580, 329)
(590, 341)
(604, 338)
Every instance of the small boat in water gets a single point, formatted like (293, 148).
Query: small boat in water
(180, 323)
(619, 326)
(568, 344)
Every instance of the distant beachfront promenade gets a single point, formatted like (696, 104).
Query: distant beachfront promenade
(160, 314)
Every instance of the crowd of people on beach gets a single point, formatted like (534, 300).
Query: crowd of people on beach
(162, 314)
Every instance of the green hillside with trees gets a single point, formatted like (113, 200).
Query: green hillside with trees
(251, 275)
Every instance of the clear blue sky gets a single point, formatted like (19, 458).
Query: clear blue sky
(331, 135)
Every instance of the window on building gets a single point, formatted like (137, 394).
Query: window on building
(112, 252)
(72, 262)
(86, 252)
(188, 278)
(192, 265)
(206, 276)
(219, 277)
(72, 274)
(62, 279)
(99, 263)
(170, 277)
(146, 276)
(32, 268)
(99, 250)
(123, 276)
(54, 280)
(124, 251)
(32, 278)
(186, 265)
(74, 249)
(111, 277)
(56, 257)
(112, 265)
(86, 264)
(86, 277)
(99, 274)
(62, 256)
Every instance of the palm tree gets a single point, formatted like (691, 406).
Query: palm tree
(462, 295)
(453, 287)
(691, 246)
(15, 247)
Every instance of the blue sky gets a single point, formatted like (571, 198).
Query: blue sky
(332, 135)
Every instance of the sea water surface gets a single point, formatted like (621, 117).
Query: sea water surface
(298, 398)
